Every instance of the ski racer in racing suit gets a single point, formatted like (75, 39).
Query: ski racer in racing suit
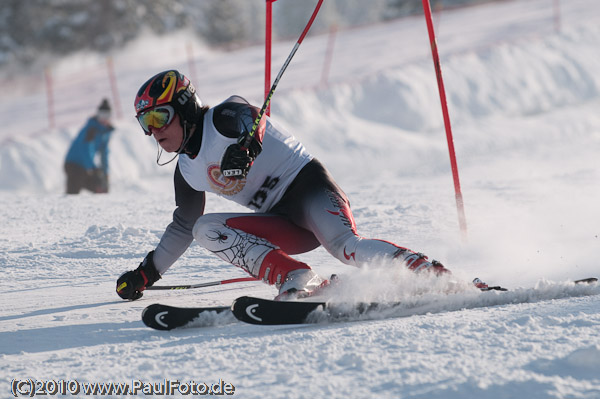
(297, 205)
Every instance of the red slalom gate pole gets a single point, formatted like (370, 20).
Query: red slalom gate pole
(190, 58)
(110, 66)
(49, 98)
(328, 55)
(462, 221)
(268, 37)
(556, 9)
(249, 136)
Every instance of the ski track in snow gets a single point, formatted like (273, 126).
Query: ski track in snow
(524, 103)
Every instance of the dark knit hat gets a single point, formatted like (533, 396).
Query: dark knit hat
(104, 106)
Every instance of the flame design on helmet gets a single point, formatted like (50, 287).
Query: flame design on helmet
(164, 88)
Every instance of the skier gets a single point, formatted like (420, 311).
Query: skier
(298, 206)
(80, 166)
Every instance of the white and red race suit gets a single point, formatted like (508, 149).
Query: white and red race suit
(298, 206)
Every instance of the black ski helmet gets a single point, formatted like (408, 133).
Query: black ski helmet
(170, 88)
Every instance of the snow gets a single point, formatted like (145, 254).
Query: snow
(524, 103)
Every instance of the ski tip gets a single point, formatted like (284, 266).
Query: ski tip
(239, 302)
(246, 309)
(494, 288)
(152, 317)
(588, 280)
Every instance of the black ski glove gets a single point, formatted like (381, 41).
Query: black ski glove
(237, 160)
(131, 284)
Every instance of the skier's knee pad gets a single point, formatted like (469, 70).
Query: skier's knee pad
(207, 226)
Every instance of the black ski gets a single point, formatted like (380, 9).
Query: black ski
(586, 280)
(269, 312)
(164, 317)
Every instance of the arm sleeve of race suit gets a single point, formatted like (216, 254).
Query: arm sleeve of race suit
(178, 234)
(235, 117)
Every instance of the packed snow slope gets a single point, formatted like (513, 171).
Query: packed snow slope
(524, 100)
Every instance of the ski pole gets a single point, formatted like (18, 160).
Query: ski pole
(248, 138)
(460, 205)
(201, 285)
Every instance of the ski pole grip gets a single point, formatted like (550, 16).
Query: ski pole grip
(245, 141)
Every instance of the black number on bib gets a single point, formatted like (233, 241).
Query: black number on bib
(261, 195)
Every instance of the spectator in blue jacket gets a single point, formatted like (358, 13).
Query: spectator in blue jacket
(82, 169)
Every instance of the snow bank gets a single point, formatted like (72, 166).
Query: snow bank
(353, 125)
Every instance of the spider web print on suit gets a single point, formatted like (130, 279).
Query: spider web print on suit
(239, 248)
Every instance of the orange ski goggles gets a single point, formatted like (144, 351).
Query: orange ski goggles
(158, 118)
